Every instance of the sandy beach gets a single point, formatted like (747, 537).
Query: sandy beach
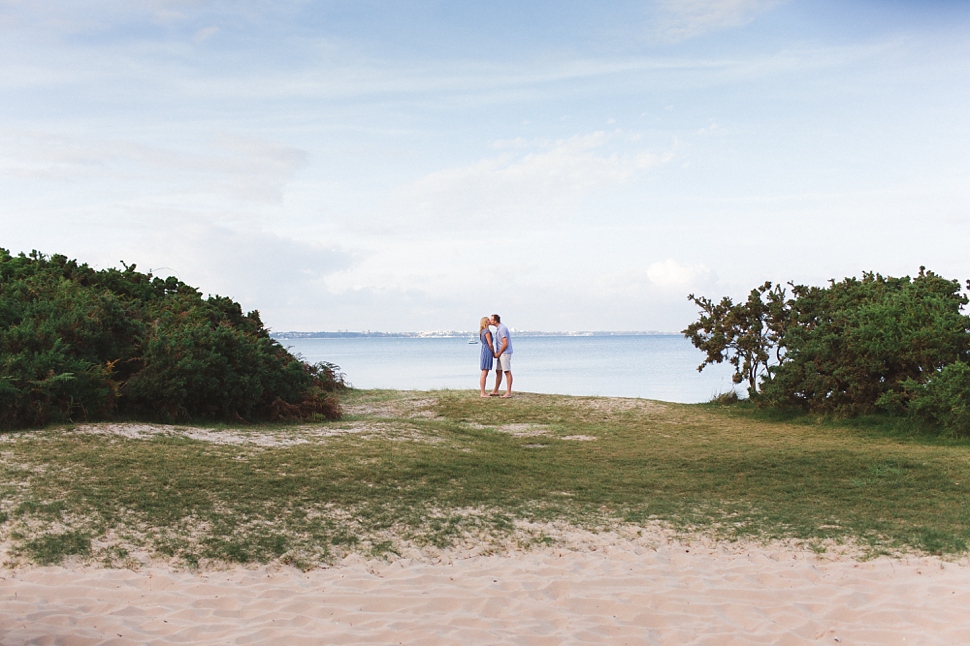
(603, 589)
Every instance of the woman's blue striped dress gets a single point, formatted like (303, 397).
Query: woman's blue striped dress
(486, 350)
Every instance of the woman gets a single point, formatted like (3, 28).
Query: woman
(485, 336)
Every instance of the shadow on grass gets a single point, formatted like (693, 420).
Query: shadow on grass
(877, 425)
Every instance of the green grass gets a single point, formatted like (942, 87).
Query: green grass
(52, 548)
(436, 468)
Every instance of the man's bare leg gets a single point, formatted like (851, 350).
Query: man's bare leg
(508, 384)
(498, 382)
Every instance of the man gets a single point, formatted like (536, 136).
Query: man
(503, 356)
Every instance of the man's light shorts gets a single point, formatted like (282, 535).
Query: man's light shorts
(504, 363)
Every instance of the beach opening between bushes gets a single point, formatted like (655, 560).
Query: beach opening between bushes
(540, 517)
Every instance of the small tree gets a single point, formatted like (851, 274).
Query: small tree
(747, 335)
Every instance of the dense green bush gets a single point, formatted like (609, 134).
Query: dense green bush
(943, 401)
(849, 344)
(855, 346)
(81, 344)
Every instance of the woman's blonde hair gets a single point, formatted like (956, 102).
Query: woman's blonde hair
(482, 324)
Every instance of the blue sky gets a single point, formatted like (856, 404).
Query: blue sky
(415, 165)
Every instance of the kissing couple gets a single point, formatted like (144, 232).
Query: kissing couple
(498, 353)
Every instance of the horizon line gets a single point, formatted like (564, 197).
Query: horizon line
(295, 334)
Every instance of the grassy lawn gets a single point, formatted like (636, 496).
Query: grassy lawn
(439, 467)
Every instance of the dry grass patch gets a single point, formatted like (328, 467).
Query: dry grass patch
(390, 404)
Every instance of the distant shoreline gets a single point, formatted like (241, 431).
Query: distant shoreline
(451, 334)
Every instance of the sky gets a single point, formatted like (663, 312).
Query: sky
(409, 165)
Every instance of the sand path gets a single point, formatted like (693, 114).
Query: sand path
(619, 593)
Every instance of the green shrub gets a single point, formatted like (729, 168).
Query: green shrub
(728, 398)
(851, 343)
(944, 400)
(81, 344)
(853, 347)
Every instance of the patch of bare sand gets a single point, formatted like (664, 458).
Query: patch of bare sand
(284, 436)
(617, 404)
(533, 430)
(611, 587)
(404, 408)
(523, 430)
(600, 409)
(515, 430)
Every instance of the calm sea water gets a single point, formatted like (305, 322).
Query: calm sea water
(656, 367)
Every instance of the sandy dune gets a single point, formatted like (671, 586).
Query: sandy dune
(615, 592)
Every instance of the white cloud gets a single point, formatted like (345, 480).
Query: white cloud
(670, 274)
(659, 279)
(258, 268)
(681, 20)
(532, 183)
(205, 34)
(243, 167)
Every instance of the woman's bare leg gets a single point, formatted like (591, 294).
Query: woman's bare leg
(481, 382)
